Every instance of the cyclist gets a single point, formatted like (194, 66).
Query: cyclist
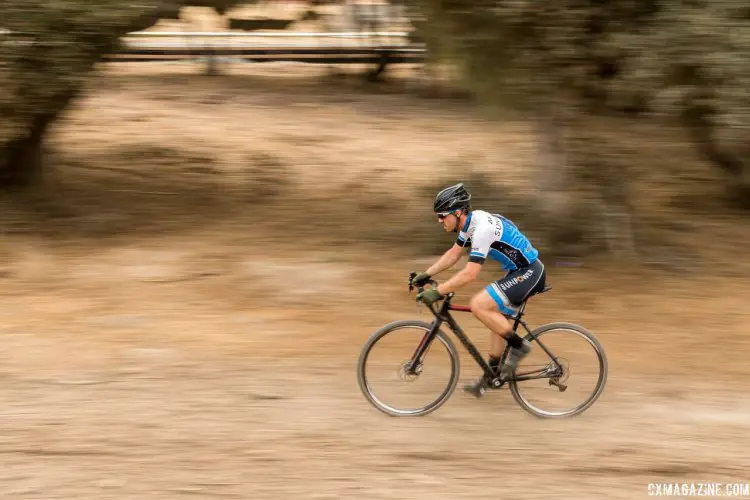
(491, 236)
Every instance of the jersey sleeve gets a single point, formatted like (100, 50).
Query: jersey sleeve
(463, 239)
(484, 236)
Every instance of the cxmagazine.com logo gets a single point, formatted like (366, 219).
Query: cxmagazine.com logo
(699, 489)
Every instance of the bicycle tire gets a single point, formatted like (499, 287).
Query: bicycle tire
(382, 332)
(603, 372)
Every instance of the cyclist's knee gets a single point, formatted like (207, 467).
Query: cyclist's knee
(482, 304)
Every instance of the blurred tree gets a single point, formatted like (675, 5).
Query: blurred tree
(585, 70)
(47, 50)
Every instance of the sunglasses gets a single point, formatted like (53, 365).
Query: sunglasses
(443, 215)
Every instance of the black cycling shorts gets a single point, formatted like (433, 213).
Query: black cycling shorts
(512, 290)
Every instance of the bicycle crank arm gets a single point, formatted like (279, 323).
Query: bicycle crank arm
(497, 383)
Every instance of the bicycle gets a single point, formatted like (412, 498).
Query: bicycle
(556, 370)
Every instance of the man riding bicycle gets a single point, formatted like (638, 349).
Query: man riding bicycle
(488, 236)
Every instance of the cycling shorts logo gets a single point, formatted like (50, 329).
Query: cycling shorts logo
(505, 285)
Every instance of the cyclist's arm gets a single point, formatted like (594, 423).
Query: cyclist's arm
(463, 277)
(446, 261)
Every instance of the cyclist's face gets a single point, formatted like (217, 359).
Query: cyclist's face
(448, 220)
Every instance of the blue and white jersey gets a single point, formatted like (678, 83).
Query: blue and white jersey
(494, 236)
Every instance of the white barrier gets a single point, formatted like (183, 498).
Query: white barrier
(285, 34)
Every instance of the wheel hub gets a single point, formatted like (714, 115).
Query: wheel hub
(562, 372)
(408, 375)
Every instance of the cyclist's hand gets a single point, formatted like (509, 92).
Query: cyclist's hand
(420, 279)
(429, 296)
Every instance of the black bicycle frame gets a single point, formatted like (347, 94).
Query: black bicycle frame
(443, 315)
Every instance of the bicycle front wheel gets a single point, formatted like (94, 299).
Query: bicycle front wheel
(563, 375)
(388, 384)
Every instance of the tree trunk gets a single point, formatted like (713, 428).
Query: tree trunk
(738, 172)
(552, 166)
(701, 130)
(578, 208)
(555, 202)
(21, 163)
(616, 216)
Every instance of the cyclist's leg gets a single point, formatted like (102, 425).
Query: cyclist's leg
(505, 296)
(485, 308)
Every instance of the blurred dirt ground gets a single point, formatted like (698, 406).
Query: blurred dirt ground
(161, 341)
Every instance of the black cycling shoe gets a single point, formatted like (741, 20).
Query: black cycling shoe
(514, 356)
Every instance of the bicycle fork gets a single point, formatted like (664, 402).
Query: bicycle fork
(416, 361)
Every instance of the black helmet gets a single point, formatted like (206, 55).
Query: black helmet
(452, 198)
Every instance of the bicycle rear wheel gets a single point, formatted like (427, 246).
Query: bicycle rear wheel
(545, 374)
(382, 367)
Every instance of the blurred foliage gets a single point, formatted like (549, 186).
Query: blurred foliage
(47, 52)
(48, 49)
(627, 57)
(585, 70)
(592, 76)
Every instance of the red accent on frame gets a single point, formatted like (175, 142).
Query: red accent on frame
(460, 308)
